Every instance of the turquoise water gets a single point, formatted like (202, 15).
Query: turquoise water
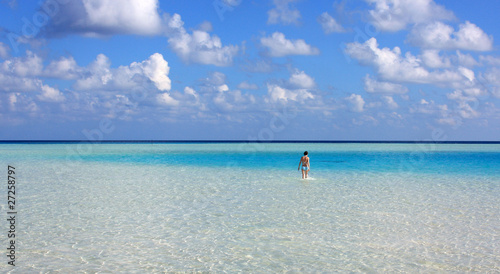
(229, 207)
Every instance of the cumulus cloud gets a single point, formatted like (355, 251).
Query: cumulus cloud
(219, 97)
(278, 46)
(64, 68)
(188, 102)
(464, 101)
(283, 13)
(277, 93)
(106, 17)
(22, 103)
(467, 73)
(432, 59)
(392, 66)
(199, 47)
(141, 17)
(20, 73)
(166, 99)
(438, 35)
(329, 24)
(299, 79)
(298, 89)
(10, 83)
(157, 70)
(357, 102)
(395, 15)
(374, 86)
(100, 76)
(50, 94)
(466, 60)
(97, 75)
(389, 102)
(29, 65)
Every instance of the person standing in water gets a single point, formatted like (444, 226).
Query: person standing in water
(304, 161)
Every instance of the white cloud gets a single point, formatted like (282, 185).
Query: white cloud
(432, 59)
(475, 92)
(428, 107)
(231, 100)
(283, 13)
(215, 81)
(191, 92)
(374, 86)
(301, 80)
(64, 68)
(20, 73)
(277, 93)
(50, 94)
(12, 83)
(157, 70)
(246, 85)
(107, 17)
(30, 65)
(392, 66)
(279, 46)
(395, 15)
(467, 73)
(100, 76)
(466, 60)
(4, 51)
(390, 103)
(438, 35)
(198, 47)
(329, 24)
(187, 102)
(464, 109)
(166, 99)
(356, 101)
(218, 97)
(21, 103)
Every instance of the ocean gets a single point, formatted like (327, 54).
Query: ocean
(243, 207)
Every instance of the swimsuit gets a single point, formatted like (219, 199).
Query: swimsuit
(305, 168)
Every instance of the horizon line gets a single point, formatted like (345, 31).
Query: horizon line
(254, 141)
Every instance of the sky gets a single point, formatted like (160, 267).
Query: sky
(417, 70)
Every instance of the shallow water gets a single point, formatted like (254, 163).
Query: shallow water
(243, 207)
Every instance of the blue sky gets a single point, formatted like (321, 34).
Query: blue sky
(250, 70)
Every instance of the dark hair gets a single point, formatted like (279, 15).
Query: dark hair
(305, 153)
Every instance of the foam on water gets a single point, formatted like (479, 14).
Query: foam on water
(101, 211)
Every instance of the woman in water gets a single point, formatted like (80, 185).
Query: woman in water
(304, 161)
